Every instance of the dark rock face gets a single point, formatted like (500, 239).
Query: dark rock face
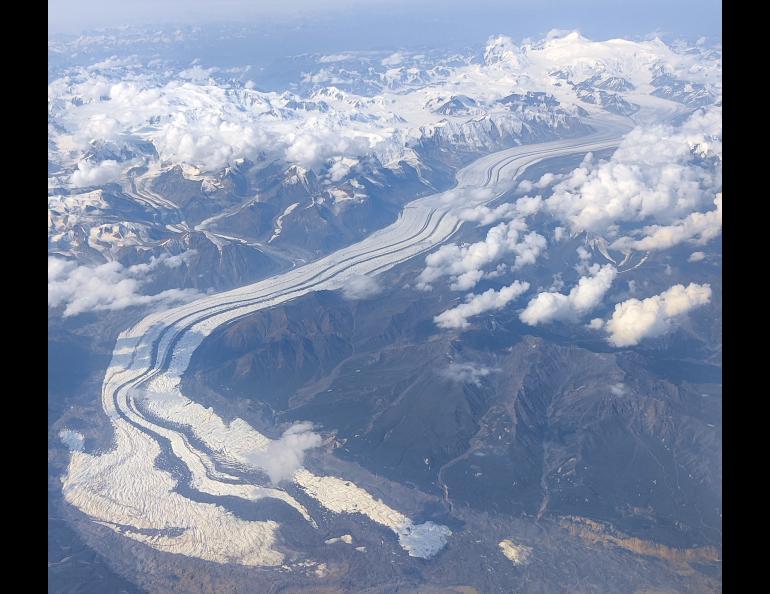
(518, 101)
(542, 430)
(610, 83)
(607, 439)
(612, 102)
(456, 106)
(273, 355)
(691, 94)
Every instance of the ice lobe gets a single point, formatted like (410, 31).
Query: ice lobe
(341, 496)
(423, 540)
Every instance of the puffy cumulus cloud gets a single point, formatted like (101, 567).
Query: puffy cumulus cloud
(315, 142)
(558, 283)
(658, 174)
(360, 287)
(159, 103)
(585, 296)
(529, 205)
(340, 167)
(74, 440)
(336, 57)
(208, 140)
(697, 227)
(703, 131)
(499, 270)
(89, 173)
(484, 215)
(109, 286)
(546, 180)
(328, 76)
(490, 300)
(596, 324)
(209, 125)
(584, 260)
(179, 259)
(284, 456)
(197, 73)
(99, 126)
(696, 257)
(466, 373)
(393, 59)
(459, 196)
(634, 320)
(464, 264)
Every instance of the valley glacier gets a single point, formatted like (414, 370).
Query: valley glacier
(522, 191)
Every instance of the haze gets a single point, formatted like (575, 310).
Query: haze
(377, 23)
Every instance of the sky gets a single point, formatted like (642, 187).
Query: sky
(367, 25)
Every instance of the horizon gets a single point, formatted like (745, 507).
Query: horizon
(341, 24)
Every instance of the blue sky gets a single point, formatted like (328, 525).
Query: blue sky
(363, 25)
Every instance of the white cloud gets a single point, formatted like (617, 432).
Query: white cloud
(210, 125)
(596, 324)
(499, 270)
(697, 227)
(557, 284)
(197, 73)
(696, 257)
(467, 280)
(340, 168)
(314, 143)
(335, 58)
(74, 440)
(284, 456)
(179, 259)
(546, 180)
(658, 174)
(360, 287)
(459, 196)
(464, 264)
(393, 59)
(477, 304)
(191, 118)
(529, 205)
(466, 373)
(585, 296)
(98, 126)
(634, 320)
(109, 286)
(325, 76)
(484, 215)
(95, 174)
(584, 260)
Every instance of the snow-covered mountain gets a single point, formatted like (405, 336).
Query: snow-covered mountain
(389, 320)
(145, 156)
